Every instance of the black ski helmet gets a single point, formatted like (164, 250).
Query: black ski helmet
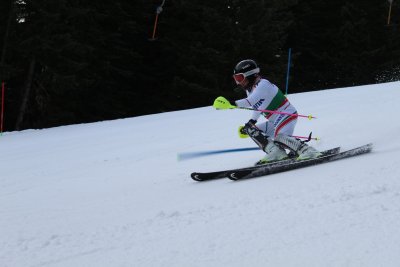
(246, 69)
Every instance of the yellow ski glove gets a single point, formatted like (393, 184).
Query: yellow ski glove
(241, 133)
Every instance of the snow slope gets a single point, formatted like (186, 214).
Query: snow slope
(113, 193)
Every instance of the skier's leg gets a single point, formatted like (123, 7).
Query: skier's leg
(259, 134)
(285, 125)
(283, 132)
(267, 128)
(303, 150)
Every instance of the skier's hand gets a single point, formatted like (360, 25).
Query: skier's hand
(242, 133)
(222, 103)
(250, 124)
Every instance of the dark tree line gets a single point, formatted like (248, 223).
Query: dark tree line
(73, 61)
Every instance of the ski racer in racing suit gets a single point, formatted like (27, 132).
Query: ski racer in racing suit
(274, 135)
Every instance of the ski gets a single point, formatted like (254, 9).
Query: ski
(271, 169)
(206, 176)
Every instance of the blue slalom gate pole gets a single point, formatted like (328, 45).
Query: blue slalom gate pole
(191, 155)
(288, 71)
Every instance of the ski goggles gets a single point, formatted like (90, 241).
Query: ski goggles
(240, 77)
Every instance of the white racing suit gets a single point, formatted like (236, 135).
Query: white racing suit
(266, 96)
(279, 128)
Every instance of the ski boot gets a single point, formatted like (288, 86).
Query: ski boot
(307, 152)
(273, 153)
(303, 150)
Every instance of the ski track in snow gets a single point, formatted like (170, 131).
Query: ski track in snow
(113, 194)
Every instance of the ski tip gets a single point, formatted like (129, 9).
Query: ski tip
(368, 147)
(195, 176)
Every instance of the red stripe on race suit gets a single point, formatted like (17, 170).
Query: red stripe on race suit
(284, 123)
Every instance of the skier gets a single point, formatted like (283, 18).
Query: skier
(275, 134)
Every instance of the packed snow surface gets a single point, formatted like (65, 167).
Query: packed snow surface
(114, 194)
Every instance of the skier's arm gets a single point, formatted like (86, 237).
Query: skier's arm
(256, 115)
(256, 97)
(243, 103)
